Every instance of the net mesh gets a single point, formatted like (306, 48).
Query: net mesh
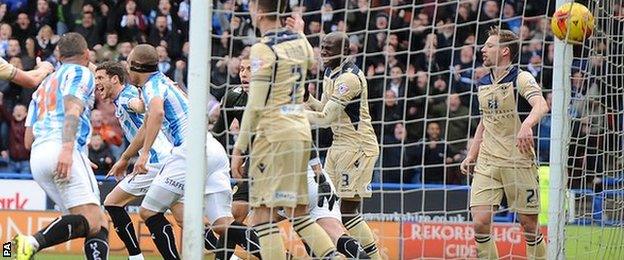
(422, 63)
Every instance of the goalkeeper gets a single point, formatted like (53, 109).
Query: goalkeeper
(504, 147)
(354, 151)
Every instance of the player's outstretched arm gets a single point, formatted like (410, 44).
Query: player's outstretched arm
(473, 150)
(152, 125)
(32, 78)
(330, 113)
(73, 109)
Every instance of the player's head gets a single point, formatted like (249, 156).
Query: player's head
(73, 48)
(109, 78)
(268, 10)
(334, 48)
(143, 59)
(501, 47)
(244, 73)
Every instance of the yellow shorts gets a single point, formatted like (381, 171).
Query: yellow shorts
(277, 173)
(351, 172)
(520, 185)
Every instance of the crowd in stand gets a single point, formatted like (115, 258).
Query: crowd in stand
(421, 59)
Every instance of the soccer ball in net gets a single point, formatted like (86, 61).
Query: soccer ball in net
(573, 19)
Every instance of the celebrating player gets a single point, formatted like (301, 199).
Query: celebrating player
(504, 147)
(110, 79)
(27, 79)
(354, 151)
(282, 142)
(167, 108)
(59, 159)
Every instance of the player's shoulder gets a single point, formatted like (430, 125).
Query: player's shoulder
(233, 94)
(349, 72)
(277, 37)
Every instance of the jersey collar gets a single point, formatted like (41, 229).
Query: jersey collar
(338, 69)
(496, 79)
(125, 86)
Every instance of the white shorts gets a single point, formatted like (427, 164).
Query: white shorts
(80, 189)
(139, 184)
(317, 212)
(168, 185)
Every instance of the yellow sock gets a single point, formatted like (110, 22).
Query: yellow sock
(536, 249)
(271, 244)
(359, 230)
(486, 247)
(314, 236)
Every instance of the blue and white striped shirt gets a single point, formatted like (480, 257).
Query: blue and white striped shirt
(131, 121)
(176, 107)
(69, 80)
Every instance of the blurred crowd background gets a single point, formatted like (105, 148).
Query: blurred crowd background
(421, 59)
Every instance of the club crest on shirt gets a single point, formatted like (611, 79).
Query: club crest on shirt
(343, 88)
(493, 103)
(255, 64)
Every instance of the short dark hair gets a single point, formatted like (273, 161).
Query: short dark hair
(71, 44)
(114, 68)
(272, 8)
(507, 38)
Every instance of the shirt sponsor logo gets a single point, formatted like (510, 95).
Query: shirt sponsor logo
(284, 195)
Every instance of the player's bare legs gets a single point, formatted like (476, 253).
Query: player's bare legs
(535, 245)
(240, 210)
(114, 203)
(482, 221)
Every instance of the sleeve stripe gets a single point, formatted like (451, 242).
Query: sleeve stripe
(531, 94)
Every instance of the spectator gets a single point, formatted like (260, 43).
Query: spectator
(89, 30)
(431, 155)
(100, 154)
(17, 155)
(5, 34)
(396, 82)
(132, 23)
(109, 49)
(397, 157)
(44, 15)
(511, 20)
(162, 36)
(46, 42)
(5, 17)
(109, 133)
(124, 50)
(459, 125)
(164, 62)
(23, 29)
(164, 9)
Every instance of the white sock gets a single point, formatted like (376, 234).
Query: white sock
(136, 257)
(33, 242)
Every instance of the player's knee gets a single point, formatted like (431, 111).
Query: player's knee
(96, 221)
(240, 211)
(146, 213)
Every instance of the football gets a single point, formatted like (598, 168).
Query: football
(572, 22)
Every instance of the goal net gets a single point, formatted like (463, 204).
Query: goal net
(422, 62)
